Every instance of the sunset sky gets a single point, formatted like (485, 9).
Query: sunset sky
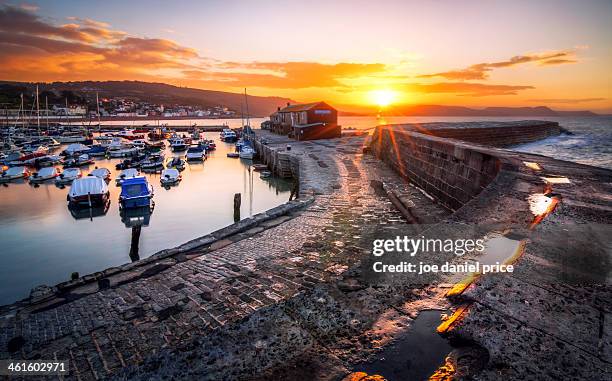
(471, 53)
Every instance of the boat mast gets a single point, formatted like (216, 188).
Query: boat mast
(246, 101)
(37, 111)
(47, 111)
(98, 108)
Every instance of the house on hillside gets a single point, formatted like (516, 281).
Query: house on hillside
(307, 121)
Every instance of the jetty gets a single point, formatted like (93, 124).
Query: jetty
(287, 294)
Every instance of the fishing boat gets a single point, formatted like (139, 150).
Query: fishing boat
(176, 162)
(128, 134)
(14, 173)
(195, 153)
(170, 176)
(158, 134)
(102, 173)
(79, 161)
(127, 174)
(68, 175)
(88, 191)
(153, 162)
(136, 192)
(44, 174)
(177, 144)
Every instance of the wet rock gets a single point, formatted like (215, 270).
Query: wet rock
(104, 283)
(41, 293)
(15, 344)
(350, 285)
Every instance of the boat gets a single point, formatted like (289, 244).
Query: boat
(14, 173)
(170, 176)
(195, 135)
(158, 134)
(128, 134)
(177, 144)
(228, 135)
(102, 173)
(176, 162)
(133, 162)
(195, 153)
(96, 150)
(70, 137)
(210, 145)
(47, 161)
(153, 162)
(259, 167)
(139, 143)
(136, 192)
(265, 174)
(68, 175)
(246, 152)
(75, 149)
(155, 147)
(44, 174)
(79, 161)
(126, 174)
(88, 191)
(233, 155)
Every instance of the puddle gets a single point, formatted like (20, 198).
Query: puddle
(499, 249)
(556, 180)
(413, 356)
(532, 165)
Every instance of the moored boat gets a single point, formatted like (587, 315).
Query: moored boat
(126, 174)
(153, 162)
(136, 192)
(14, 173)
(176, 162)
(102, 173)
(79, 161)
(88, 191)
(68, 175)
(170, 176)
(177, 144)
(195, 153)
(44, 174)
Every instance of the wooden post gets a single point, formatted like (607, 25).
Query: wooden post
(237, 201)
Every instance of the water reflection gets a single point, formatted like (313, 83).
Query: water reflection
(136, 218)
(79, 213)
(43, 241)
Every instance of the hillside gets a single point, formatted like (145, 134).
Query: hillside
(440, 110)
(150, 92)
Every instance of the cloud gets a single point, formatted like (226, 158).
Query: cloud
(286, 75)
(29, 7)
(481, 71)
(566, 100)
(466, 88)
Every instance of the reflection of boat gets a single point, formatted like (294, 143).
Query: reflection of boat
(195, 153)
(259, 167)
(88, 191)
(13, 173)
(44, 174)
(135, 217)
(102, 173)
(128, 173)
(265, 174)
(68, 176)
(135, 193)
(170, 176)
(176, 162)
(89, 213)
(233, 154)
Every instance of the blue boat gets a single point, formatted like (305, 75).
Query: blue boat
(135, 193)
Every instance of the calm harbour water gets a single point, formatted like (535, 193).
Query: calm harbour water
(42, 243)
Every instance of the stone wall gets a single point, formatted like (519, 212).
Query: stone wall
(451, 173)
(496, 134)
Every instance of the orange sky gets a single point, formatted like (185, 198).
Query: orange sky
(468, 53)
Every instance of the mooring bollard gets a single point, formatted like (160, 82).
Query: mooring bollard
(237, 201)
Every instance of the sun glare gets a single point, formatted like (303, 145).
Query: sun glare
(382, 97)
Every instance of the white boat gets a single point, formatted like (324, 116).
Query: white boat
(68, 175)
(228, 135)
(102, 173)
(14, 173)
(155, 161)
(44, 174)
(177, 144)
(125, 152)
(139, 143)
(176, 162)
(195, 153)
(129, 173)
(80, 161)
(70, 138)
(74, 149)
(170, 176)
(247, 152)
(88, 191)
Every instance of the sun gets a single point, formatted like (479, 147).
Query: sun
(382, 97)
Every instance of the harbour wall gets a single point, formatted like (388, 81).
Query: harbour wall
(452, 174)
(494, 134)
(278, 159)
